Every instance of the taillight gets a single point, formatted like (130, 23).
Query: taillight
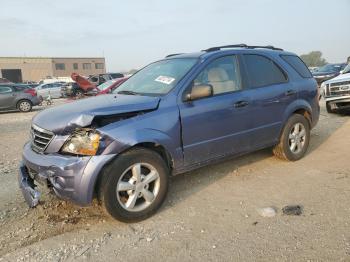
(30, 91)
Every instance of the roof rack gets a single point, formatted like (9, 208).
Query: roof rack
(173, 55)
(216, 48)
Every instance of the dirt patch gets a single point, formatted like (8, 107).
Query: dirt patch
(210, 213)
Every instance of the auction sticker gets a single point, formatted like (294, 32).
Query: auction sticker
(165, 79)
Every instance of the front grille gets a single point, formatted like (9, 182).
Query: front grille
(40, 138)
(339, 90)
(340, 93)
(341, 83)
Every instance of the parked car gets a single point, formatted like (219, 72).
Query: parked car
(71, 89)
(52, 89)
(101, 78)
(110, 86)
(328, 72)
(15, 96)
(174, 115)
(32, 84)
(4, 80)
(50, 80)
(336, 92)
(313, 69)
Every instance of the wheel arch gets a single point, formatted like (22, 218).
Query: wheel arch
(300, 107)
(22, 100)
(156, 147)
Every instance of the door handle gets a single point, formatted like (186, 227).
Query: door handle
(290, 92)
(240, 104)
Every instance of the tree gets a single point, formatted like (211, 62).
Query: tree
(314, 58)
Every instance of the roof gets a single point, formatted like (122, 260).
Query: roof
(232, 49)
(46, 57)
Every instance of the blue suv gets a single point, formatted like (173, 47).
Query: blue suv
(174, 115)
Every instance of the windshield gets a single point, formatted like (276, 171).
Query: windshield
(346, 69)
(157, 78)
(330, 68)
(105, 85)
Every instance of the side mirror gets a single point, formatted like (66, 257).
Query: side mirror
(200, 91)
(341, 71)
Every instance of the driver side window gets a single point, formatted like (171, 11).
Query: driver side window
(222, 74)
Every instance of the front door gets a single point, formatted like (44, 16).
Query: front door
(216, 126)
(7, 97)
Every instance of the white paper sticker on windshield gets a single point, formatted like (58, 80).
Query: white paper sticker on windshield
(165, 79)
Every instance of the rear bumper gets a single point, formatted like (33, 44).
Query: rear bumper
(72, 178)
(36, 100)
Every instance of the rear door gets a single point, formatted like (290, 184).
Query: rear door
(43, 90)
(55, 90)
(271, 93)
(7, 97)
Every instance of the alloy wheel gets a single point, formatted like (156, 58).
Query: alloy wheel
(297, 138)
(138, 187)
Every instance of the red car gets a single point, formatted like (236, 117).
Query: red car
(110, 86)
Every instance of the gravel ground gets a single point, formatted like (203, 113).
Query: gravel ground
(212, 214)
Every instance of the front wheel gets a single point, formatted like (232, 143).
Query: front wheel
(294, 139)
(134, 186)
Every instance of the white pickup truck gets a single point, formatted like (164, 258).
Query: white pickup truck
(336, 92)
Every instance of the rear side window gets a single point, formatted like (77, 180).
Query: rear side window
(262, 71)
(5, 89)
(298, 65)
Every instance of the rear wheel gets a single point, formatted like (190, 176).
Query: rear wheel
(134, 186)
(24, 106)
(294, 140)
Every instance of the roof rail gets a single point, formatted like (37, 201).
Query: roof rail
(216, 48)
(173, 55)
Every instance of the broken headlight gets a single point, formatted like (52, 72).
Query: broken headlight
(82, 142)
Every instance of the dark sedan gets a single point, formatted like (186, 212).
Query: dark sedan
(327, 72)
(16, 96)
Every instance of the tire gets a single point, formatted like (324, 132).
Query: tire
(24, 106)
(122, 193)
(290, 139)
(79, 94)
(329, 109)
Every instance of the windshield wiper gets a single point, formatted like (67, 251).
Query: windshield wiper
(128, 92)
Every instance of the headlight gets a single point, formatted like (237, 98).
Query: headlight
(83, 142)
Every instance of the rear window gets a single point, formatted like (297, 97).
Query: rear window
(298, 65)
(262, 71)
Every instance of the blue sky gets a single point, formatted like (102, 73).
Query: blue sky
(133, 33)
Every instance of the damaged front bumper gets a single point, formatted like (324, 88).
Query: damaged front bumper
(70, 177)
(27, 186)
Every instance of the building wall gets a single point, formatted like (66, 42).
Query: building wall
(69, 69)
(37, 68)
(33, 69)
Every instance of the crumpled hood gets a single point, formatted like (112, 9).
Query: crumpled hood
(339, 78)
(81, 113)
